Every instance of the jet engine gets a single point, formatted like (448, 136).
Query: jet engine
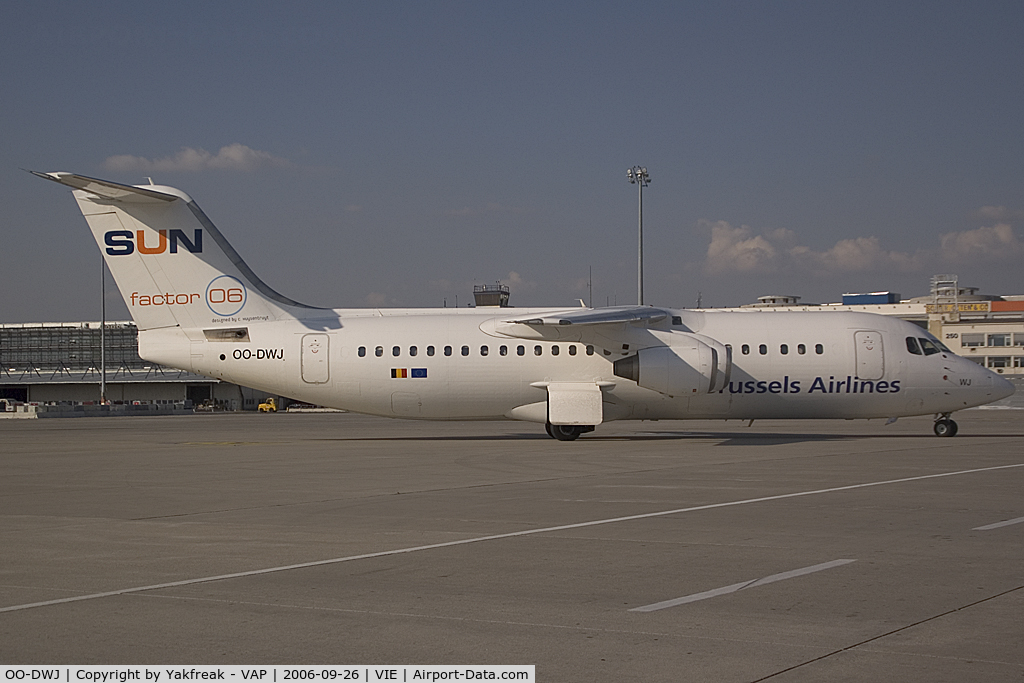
(692, 364)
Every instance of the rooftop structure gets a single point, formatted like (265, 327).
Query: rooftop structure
(495, 295)
(775, 300)
(871, 298)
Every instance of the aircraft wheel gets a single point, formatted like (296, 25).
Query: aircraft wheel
(945, 428)
(564, 432)
(547, 428)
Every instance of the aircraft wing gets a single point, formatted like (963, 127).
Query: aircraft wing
(616, 330)
(107, 189)
(637, 315)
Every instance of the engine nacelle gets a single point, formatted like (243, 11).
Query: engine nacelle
(689, 366)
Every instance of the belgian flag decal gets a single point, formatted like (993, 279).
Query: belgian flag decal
(405, 373)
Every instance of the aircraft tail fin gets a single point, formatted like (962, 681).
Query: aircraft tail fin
(171, 264)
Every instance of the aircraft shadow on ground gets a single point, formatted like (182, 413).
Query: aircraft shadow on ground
(726, 438)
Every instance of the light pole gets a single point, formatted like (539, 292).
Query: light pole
(103, 331)
(638, 176)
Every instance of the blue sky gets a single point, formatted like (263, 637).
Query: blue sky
(397, 153)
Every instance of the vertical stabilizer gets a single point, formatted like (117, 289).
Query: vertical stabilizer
(171, 264)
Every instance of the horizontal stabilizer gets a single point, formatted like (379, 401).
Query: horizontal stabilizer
(107, 189)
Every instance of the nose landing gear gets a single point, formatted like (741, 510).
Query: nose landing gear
(944, 426)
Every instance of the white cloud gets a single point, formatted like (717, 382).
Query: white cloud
(516, 282)
(377, 299)
(855, 255)
(999, 214)
(994, 243)
(235, 157)
(739, 250)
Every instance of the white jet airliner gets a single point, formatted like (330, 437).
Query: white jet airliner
(199, 307)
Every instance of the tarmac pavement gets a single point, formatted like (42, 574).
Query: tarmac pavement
(654, 551)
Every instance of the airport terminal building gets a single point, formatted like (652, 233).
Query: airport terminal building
(60, 362)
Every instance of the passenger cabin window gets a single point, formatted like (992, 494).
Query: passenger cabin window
(413, 350)
(801, 349)
(745, 349)
(819, 349)
(484, 350)
(572, 349)
(520, 350)
(590, 349)
(379, 351)
(447, 350)
(537, 350)
(430, 350)
(503, 350)
(913, 347)
(396, 350)
(784, 349)
(554, 350)
(763, 349)
(362, 351)
(677, 320)
(465, 350)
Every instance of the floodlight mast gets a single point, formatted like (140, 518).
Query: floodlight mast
(638, 176)
(103, 332)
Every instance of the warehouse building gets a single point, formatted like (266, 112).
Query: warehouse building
(60, 362)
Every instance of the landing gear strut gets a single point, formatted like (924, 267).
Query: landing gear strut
(944, 426)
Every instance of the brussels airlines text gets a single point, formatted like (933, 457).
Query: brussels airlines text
(847, 385)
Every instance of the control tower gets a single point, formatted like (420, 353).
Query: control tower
(495, 295)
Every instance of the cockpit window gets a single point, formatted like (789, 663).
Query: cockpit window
(942, 347)
(928, 346)
(913, 347)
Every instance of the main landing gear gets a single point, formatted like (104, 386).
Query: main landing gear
(944, 426)
(566, 432)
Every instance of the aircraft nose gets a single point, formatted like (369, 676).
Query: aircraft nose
(1002, 387)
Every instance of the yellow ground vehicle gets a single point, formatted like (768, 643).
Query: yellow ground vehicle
(269, 405)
